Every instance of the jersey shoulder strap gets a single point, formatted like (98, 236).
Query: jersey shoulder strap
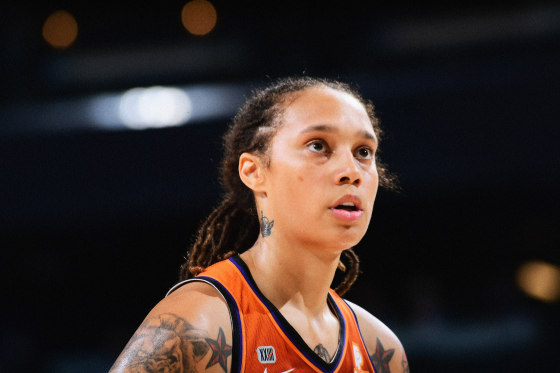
(216, 276)
(355, 342)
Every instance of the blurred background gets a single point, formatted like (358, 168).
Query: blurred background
(111, 116)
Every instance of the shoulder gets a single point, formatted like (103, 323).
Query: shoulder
(385, 349)
(189, 330)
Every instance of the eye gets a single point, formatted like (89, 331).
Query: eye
(317, 146)
(364, 152)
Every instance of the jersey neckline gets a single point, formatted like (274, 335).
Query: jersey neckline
(289, 330)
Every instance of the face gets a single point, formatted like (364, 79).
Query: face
(322, 179)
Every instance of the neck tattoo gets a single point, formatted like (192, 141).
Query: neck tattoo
(266, 225)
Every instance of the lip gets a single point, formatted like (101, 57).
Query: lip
(357, 201)
(345, 215)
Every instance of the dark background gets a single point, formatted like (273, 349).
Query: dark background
(94, 224)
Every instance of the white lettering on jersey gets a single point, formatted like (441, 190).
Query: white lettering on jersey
(358, 359)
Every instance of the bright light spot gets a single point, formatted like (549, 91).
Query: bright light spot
(540, 280)
(103, 110)
(60, 29)
(199, 17)
(159, 106)
(154, 107)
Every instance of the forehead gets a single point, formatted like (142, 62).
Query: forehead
(326, 106)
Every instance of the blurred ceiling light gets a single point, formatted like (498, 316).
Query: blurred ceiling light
(60, 29)
(199, 17)
(154, 107)
(540, 280)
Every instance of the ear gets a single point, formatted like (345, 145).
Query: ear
(251, 172)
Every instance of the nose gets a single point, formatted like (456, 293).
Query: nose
(348, 171)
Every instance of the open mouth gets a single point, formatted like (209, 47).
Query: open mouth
(347, 211)
(349, 206)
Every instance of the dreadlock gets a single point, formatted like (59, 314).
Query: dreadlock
(233, 226)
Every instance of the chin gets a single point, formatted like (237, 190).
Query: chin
(348, 239)
(353, 232)
(336, 238)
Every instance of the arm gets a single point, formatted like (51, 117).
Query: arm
(385, 350)
(189, 331)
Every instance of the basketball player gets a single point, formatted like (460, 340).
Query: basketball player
(301, 176)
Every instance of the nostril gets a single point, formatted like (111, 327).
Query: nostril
(344, 179)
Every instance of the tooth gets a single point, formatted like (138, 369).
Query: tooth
(348, 204)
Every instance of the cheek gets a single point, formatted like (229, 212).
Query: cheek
(372, 186)
(296, 188)
(300, 185)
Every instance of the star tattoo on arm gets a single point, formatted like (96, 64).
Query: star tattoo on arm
(169, 343)
(220, 351)
(381, 358)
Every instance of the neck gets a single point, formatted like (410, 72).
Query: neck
(292, 276)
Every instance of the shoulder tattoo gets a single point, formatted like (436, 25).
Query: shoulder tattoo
(404, 363)
(381, 358)
(170, 344)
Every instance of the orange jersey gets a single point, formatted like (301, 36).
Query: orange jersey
(264, 341)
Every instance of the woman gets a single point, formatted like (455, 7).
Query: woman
(301, 177)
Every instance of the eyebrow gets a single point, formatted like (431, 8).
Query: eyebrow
(331, 129)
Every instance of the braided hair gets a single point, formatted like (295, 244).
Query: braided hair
(233, 226)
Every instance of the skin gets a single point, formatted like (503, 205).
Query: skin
(323, 150)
